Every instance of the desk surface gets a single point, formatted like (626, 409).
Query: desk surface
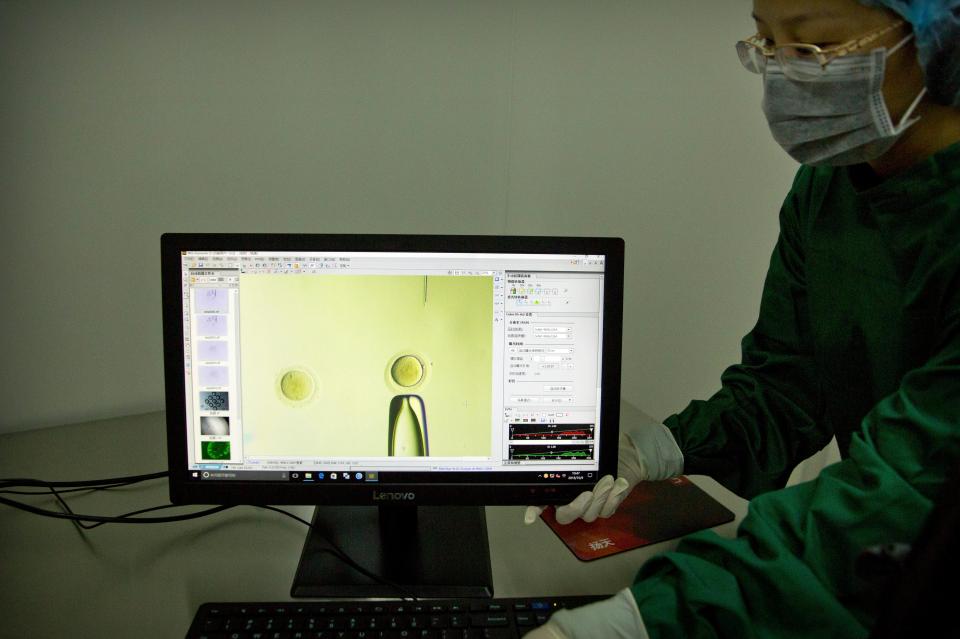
(147, 580)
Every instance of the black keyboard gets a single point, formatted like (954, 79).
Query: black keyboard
(366, 619)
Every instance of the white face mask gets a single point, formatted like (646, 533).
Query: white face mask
(838, 118)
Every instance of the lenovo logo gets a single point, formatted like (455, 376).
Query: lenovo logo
(382, 496)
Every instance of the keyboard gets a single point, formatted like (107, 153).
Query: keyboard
(366, 619)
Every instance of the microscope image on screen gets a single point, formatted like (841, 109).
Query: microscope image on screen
(358, 365)
(407, 430)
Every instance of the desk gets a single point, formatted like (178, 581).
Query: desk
(122, 580)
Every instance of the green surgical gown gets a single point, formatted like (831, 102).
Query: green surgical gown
(858, 336)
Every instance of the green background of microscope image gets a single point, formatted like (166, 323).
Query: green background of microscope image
(215, 450)
(346, 330)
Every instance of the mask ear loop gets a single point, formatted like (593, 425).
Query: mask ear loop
(899, 45)
(905, 121)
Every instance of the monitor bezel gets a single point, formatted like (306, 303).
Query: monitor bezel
(185, 490)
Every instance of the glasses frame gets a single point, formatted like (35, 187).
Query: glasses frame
(823, 55)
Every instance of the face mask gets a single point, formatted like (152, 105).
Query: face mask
(837, 118)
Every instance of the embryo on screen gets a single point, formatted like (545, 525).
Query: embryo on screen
(366, 365)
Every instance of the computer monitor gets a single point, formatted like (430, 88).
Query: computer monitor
(398, 383)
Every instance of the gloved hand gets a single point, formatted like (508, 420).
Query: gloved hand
(617, 617)
(647, 452)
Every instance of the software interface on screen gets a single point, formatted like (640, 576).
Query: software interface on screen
(367, 367)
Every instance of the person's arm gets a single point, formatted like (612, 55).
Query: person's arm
(768, 415)
(791, 569)
(790, 572)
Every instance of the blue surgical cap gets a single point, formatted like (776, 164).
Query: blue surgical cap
(936, 25)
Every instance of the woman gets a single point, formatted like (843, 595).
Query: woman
(858, 337)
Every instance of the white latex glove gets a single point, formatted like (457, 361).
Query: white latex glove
(614, 618)
(647, 452)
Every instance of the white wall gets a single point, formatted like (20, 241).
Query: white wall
(122, 120)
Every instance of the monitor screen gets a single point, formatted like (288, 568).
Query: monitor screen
(356, 369)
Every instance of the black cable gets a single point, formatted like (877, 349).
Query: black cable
(94, 484)
(66, 507)
(84, 521)
(62, 491)
(122, 519)
(129, 479)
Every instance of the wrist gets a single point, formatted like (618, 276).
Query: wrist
(617, 618)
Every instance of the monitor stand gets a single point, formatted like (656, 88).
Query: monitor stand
(432, 551)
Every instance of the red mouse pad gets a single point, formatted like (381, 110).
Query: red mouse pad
(654, 511)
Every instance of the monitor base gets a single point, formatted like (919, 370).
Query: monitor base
(431, 551)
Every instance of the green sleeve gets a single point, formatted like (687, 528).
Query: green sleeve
(790, 570)
(768, 414)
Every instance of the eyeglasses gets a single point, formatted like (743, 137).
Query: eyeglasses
(801, 61)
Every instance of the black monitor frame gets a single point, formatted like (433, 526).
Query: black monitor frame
(469, 491)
